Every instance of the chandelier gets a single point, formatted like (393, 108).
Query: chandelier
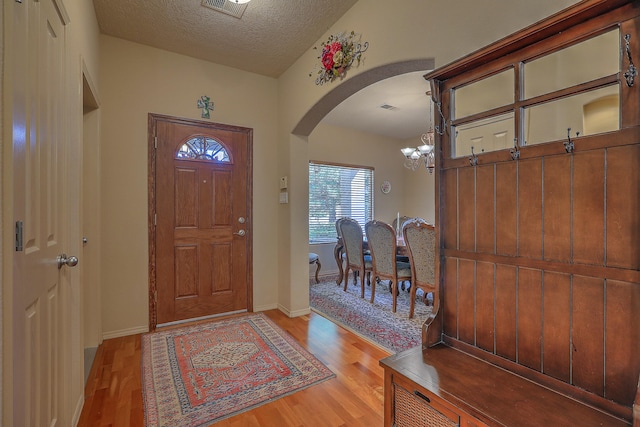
(424, 153)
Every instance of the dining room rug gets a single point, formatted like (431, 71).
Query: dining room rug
(375, 321)
(196, 375)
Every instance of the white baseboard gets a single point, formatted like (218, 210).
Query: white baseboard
(294, 313)
(312, 274)
(273, 306)
(78, 411)
(145, 329)
(125, 332)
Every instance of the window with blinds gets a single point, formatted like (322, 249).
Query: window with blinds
(336, 191)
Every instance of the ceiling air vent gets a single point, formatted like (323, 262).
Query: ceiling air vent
(226, 6)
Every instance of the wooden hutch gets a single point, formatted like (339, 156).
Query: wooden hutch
(537, 318)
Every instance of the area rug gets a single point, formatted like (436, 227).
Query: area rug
(196, 375)
(375, 322)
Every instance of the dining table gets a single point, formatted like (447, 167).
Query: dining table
(338, 250)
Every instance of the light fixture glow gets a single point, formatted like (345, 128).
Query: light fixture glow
(424, 152)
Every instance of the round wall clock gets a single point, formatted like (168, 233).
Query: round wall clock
(385, 187)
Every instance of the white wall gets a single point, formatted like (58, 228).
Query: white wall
(419, 190)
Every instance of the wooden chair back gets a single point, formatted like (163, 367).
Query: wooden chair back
(381, 238)
(420, 238)
(352, 238)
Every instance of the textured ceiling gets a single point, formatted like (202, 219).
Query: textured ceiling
(407, 118)
(268, 39)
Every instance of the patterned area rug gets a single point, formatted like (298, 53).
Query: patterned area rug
(200, 374)
(376, 322)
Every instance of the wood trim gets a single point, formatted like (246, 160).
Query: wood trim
(601, 272)
(151, 190)
(249, 236)
(609, 406)
(489, 393)
(628, 136)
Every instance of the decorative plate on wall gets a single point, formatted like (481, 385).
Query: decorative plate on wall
(385, 187)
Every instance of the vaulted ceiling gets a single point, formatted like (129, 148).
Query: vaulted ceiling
(267, 39)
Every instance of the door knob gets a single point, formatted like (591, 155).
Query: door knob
(71, 261)
(240, 233)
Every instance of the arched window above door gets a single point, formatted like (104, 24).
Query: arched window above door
(203, 148)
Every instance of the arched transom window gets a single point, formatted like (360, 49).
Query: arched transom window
(203, 148)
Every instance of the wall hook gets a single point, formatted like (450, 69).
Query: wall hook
(568, 144)
(515, 151)
(441, 130)
(632, 72)
(473, 160)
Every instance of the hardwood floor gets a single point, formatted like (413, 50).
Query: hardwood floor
(113, 394)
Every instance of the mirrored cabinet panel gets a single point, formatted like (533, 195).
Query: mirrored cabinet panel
(490, 134)
(583, 62)
(483, 95)
(576, 87)
(588, 113)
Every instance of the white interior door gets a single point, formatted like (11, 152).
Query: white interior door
(38, 123)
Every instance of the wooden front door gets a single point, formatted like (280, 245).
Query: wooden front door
(201, 182)
(39, 194)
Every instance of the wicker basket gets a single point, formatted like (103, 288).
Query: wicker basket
(411, 411)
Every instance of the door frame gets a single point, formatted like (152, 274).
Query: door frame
(151, 135)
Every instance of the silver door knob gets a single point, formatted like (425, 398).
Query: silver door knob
(71, 261)
(240, 233)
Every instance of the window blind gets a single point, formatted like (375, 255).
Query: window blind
(336, 191)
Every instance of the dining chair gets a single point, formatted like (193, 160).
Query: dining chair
(420, 238)
(356, 259)
(398, 229)
(315, 259)
(383, 245)
(342, 256)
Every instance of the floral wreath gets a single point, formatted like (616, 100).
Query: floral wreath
(338, 54)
